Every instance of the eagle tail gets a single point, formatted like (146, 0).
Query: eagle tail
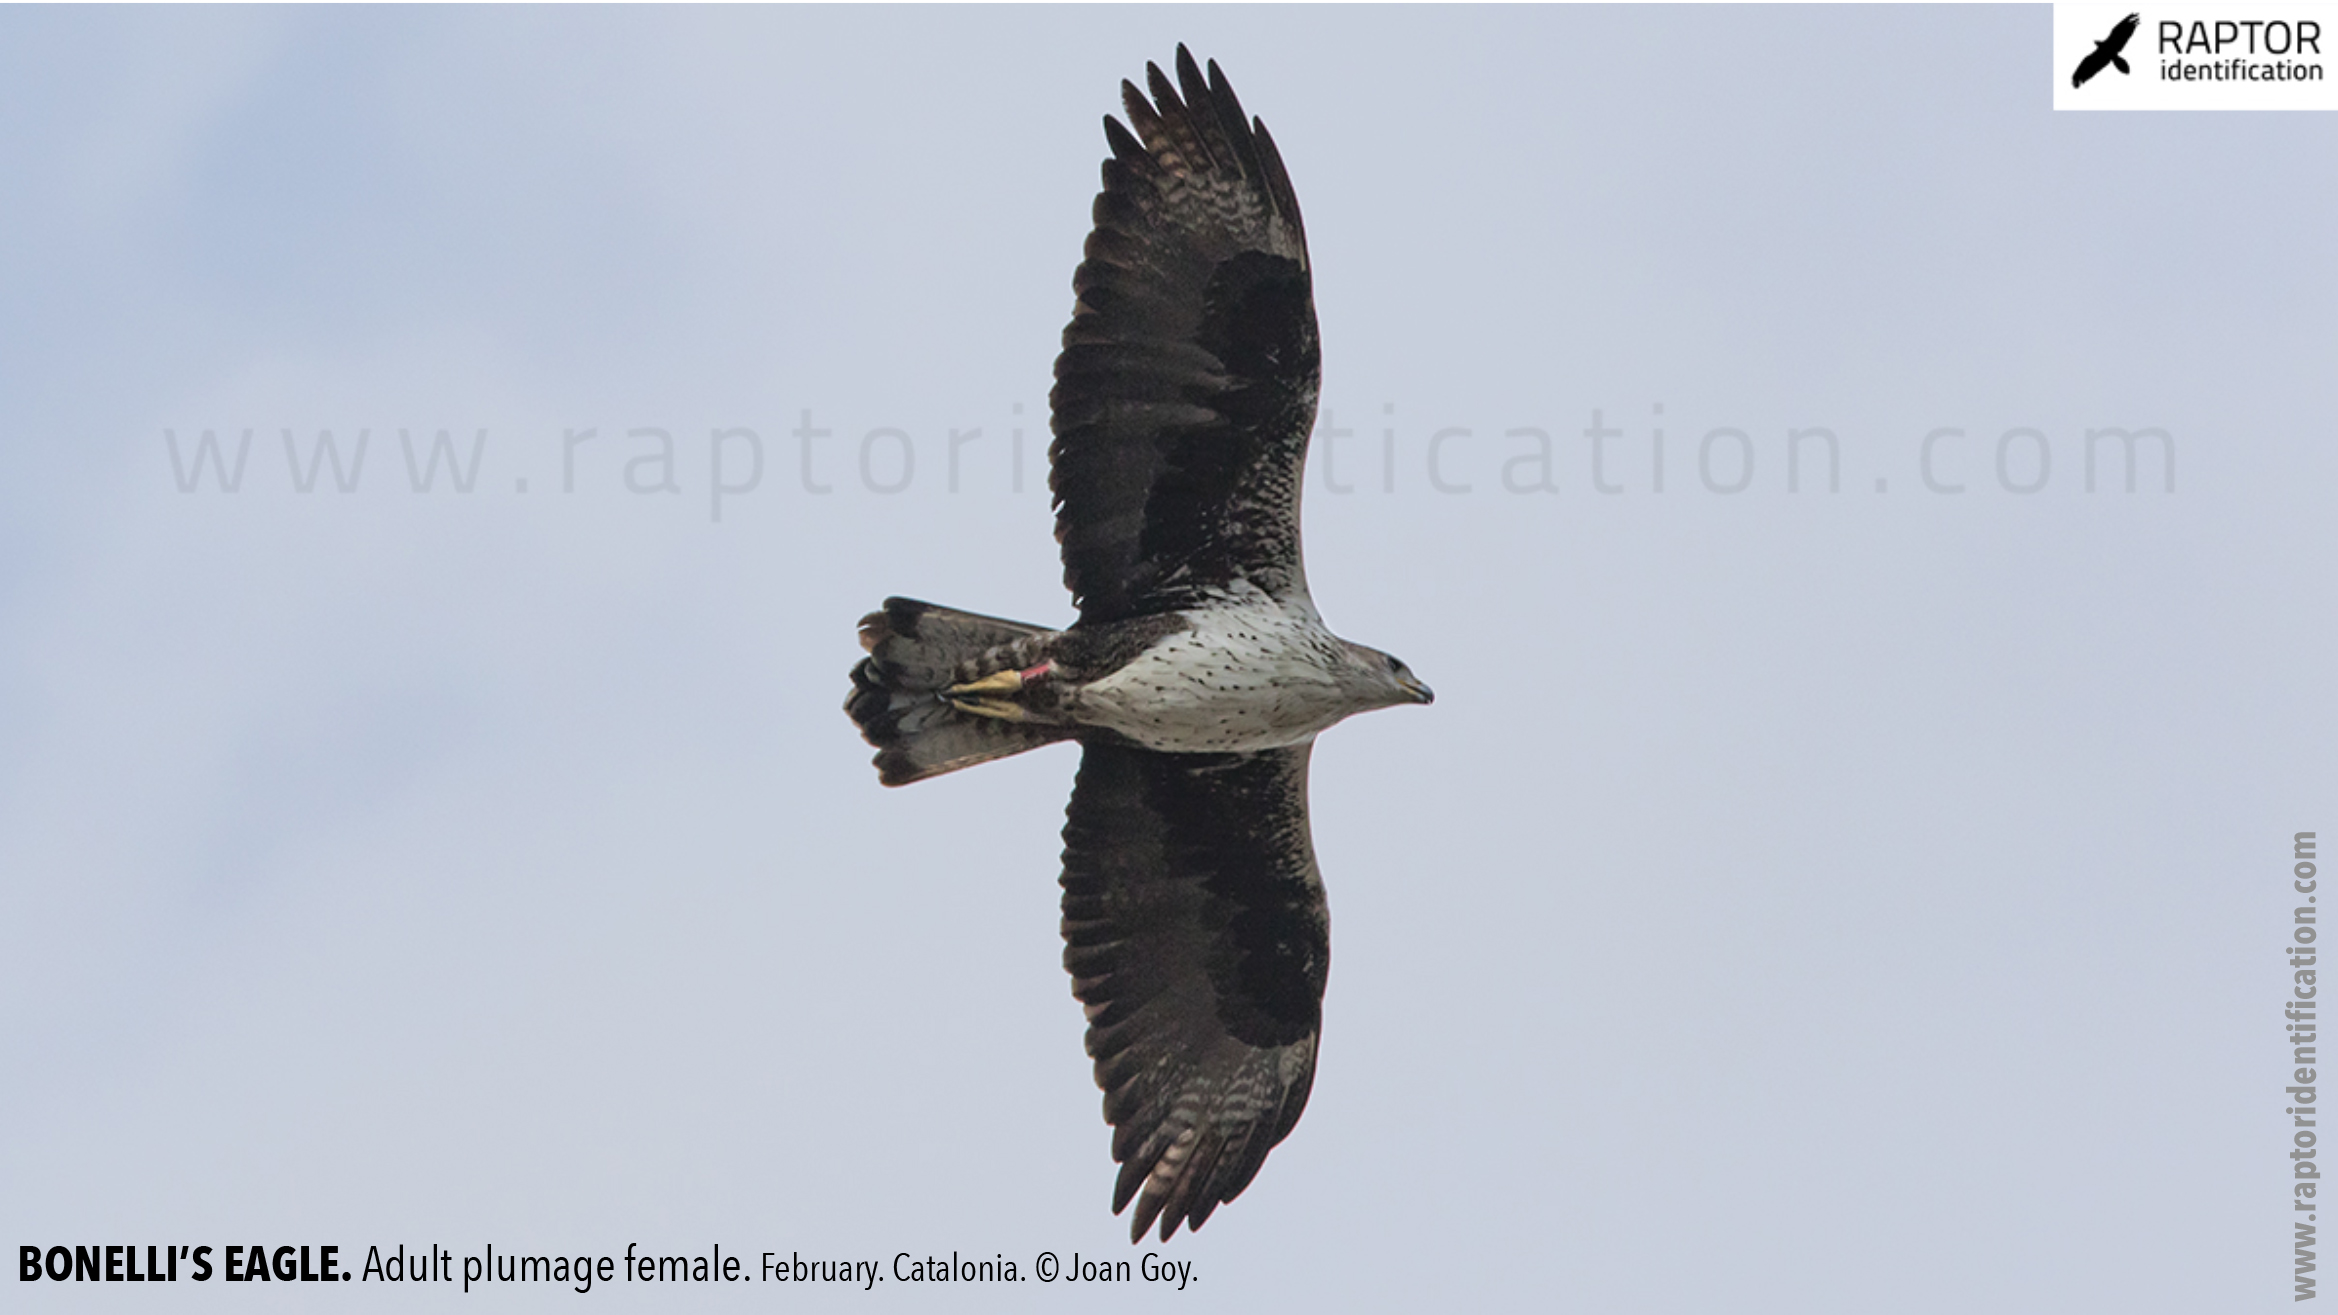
(2119, 62)
(916, 652)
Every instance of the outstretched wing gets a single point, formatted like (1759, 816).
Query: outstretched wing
(1187, 383)
(1197, 939)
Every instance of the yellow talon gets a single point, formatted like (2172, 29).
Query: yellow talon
(998, 708)
(1002, 682)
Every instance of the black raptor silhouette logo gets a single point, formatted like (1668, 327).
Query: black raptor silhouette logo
(2106, 51)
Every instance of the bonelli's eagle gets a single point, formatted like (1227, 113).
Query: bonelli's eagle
(1198, 673)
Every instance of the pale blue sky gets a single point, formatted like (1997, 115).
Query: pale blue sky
(1796, 900)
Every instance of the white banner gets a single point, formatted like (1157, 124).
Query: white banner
(2197, 56)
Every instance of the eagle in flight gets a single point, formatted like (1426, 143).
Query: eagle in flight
(1198, 673)
(2107, 52)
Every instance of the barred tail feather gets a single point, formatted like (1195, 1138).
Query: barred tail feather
(916, 650)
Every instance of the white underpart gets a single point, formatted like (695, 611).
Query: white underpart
(1249, 673)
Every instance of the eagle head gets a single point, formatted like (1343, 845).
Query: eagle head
(1384, 678)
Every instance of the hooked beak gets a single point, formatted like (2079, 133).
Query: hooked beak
(1419, 692)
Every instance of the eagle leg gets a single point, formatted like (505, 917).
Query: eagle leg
(999, 682)
(1009, 681)
(983, 707)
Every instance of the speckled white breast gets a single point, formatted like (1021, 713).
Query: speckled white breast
(1250, 674)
